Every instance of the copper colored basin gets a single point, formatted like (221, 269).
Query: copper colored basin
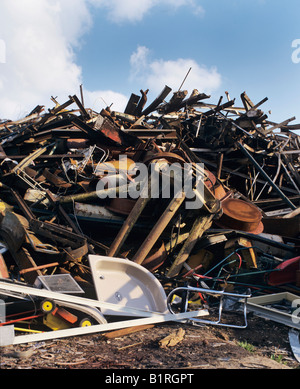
(241, 215)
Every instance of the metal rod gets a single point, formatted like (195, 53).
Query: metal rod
(185, 78)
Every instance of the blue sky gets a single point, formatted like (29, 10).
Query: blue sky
(117, 47)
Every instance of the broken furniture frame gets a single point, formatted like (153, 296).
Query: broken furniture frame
(217, 293)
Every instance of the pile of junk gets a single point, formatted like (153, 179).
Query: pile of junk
(90, 244)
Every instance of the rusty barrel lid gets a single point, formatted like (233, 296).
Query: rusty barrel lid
(241, 215)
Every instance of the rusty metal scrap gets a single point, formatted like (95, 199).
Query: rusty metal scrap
(53, 215)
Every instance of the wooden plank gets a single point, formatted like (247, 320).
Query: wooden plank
(127, 331)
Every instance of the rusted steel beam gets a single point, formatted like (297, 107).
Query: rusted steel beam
(83, 111)
(200, 225)
(41, 267)
(175, 102)
(130, 221)
(132, 104)
(152, 107)
(142, 103)
(159, 227)
(220, 107)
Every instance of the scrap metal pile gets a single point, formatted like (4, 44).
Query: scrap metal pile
(63, 235)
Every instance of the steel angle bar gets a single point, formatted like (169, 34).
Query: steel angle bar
(21, 339)
(218, 293)
(289, 175)
(152, 107)
(27, 290)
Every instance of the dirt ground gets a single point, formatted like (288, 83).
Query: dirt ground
(263, 344)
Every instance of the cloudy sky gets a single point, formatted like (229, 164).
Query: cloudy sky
(118, 47)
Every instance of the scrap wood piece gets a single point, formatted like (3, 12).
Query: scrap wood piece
(173, 339)
(129, 345)
(127, 331)
(132, 218)
(24, 261)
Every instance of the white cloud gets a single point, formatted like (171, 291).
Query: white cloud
(193, 5)
(158, 73)
(39, 57)
(100, 99)
(38, 38)
(136, 10)
(125, 10)
(139, 61)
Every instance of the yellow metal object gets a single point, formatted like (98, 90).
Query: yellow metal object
(55, 323)
(85, 323)
(47, 306)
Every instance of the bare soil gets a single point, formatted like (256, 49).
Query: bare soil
(263, 344)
